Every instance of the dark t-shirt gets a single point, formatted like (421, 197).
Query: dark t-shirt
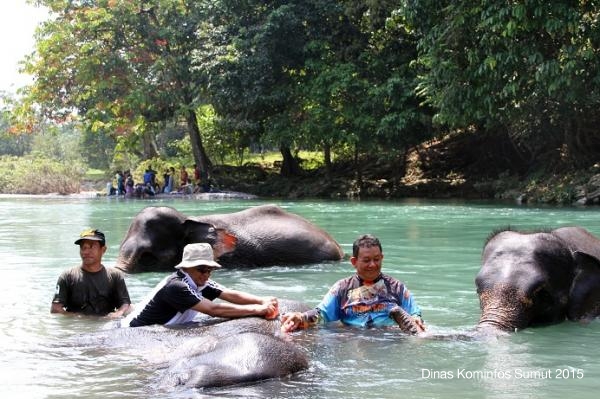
(89, 293)
(175, 296)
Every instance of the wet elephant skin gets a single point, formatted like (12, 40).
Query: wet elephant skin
(210, 352)
(259, 236)
(536, 278)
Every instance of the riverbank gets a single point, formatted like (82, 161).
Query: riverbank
(468, 166)
(456, 166)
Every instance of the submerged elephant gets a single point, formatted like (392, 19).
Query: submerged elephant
(239, 358)
(259, 236)
(210, 352)
(545, 277)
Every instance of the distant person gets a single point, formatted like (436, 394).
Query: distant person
(365, 299)
(179, 297)
(148, 190)
(120, 183)
(197, 180)
(169, 180)
(187, 188)
(129, 186)
(183, 177)
(150, 177)
(110, 190)
(91, 288)
(205, 181)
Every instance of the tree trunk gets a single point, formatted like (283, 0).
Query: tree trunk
(289, 166)
(327, 158)
(150, 148)
(200, 156)
(357, 169)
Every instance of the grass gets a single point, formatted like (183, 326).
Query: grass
(95, 174)
(310, 159)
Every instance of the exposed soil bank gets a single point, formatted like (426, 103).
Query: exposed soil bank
(469, 166)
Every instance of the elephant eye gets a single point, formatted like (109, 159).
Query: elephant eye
(542, 295)
(148, 259)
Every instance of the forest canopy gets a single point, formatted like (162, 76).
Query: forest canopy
(349, 77)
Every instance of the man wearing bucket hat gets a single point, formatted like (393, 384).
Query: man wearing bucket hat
(179, 297)
(91, 288)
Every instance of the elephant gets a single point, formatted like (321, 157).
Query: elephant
(235, 359)
(259, 236)
(210, 352)
(538, 278)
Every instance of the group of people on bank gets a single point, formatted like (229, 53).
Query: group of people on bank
(150, 185)
(364, 299)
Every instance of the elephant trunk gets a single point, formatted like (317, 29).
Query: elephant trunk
(502, 310)
(123, 264)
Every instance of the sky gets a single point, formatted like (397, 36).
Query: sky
(17, 25)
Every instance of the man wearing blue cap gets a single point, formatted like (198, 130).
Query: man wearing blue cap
(91, 288)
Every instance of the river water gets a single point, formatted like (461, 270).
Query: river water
(434, 247)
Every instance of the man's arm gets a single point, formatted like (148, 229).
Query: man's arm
(409, 304)
(244, 298)
(230, 310)
(326, 311)
(119, 312)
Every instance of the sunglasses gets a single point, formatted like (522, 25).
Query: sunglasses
(204, 270)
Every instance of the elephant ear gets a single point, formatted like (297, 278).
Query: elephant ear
(226, 242)
(584, 298)
(221, 240)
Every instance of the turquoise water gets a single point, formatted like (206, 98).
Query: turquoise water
(434, 246)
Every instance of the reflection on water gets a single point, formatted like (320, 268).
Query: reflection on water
(434, 246)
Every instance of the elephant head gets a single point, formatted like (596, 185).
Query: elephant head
(529, 279)
(157, 235)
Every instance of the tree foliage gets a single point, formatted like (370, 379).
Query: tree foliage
(376, 76)
(121, 65)
(528, 67)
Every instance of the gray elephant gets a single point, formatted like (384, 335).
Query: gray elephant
(537, 278)
(209, 352)
(235, 359)
(259, 236)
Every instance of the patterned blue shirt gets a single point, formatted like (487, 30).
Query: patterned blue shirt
(355, 303)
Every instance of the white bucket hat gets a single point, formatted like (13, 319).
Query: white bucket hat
(198, 254)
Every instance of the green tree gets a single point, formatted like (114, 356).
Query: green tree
(252, 49)
(121, 65)
(530, 68)
(359, 84)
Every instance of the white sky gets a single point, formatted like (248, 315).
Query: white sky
(17, 25)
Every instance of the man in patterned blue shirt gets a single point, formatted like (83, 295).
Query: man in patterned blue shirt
(365, 299)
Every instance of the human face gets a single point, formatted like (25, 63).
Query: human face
(368, 263)
(200, 274)
(91, 253)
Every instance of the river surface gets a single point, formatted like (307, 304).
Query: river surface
(434, 247)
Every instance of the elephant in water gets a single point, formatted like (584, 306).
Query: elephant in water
(536, 278)
(259, 236)
(211, 352)
(235, 359)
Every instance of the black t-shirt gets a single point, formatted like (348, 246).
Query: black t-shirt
(175, 296)
(90, 293)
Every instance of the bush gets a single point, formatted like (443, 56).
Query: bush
(39, 175)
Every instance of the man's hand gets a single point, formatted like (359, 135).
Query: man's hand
(291, 321)
(273, 305)
(419, 322)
